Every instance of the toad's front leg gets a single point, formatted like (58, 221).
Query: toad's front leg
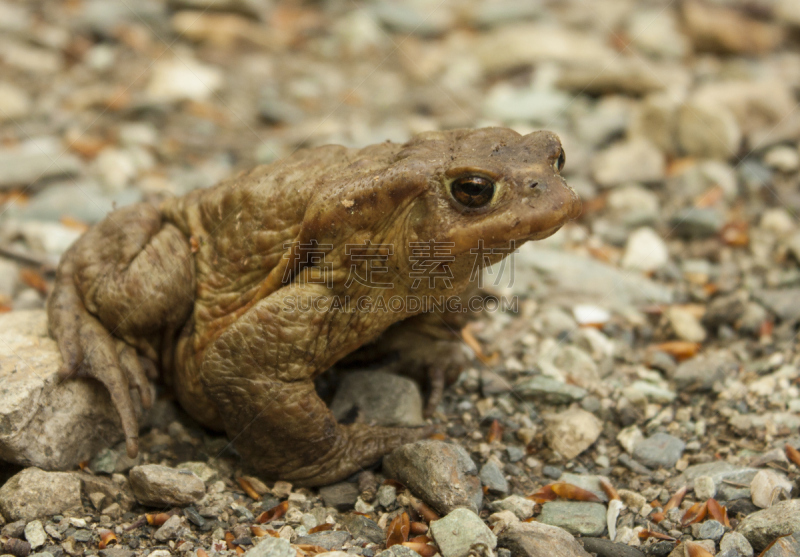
(259, 374)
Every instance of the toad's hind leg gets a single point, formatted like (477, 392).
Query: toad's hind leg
(121, 287)
(259, 374)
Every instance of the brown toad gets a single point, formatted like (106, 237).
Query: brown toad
(236, 292)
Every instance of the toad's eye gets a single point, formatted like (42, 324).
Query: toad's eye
(473, 191)
(559, 164)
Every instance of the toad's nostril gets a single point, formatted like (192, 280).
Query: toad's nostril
(534, 184)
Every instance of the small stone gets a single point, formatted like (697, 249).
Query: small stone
(380, 398)
(491, 475)
(657, 33)
(762, 527)
(34, 493)
(725, 28)
(550, 390)
(659, 450)
(156, 485)
(577, 518)
(535, 539)
(387, 495)
(768, 486)
(704, 487)
(457, 532)
(271, 547)
(181, 79)
(736, 542)
(710, 530)
(329, 540)
(492, 383)
(341, 496)
(170, 530)
(699, 374)
(398, 551)
(787, 546)
(281, 489)
(571, 432)
(645, 251)
(35, 534)
(442, 474)
(685, 325)
(520, 506)
(14, 102)
(783, 158)
(636, 160)
(32, 161)
(200, 469)
(633, 205)
(696, 222)
(361, 527)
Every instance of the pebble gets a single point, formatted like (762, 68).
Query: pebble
(491, 476)
(685, 325)
(782, 158)
(659, 450)
(380, 398)
(768, 487)
(442, 474)
(341, 496)
(35, 534)
(762, 527)
(170, 530)
(705, 487)
(200, 469)
(156, 485)
(271, 547)
(633, 205)
(329, 540)
(635, 160)
(696, 222)
(708, 130)
(725, 29)
(183, 78)
(398, 551)
(14, 102)
(736, 542)
(36, 161)
(387, 495)
(456, 533)
(787, 546)
(520, 506)
(710, 530)
(701, 373)
(535, 539)
(548, 389)
(571, 432)
(657, 32)
(34, 493)
(577, 518)
(645, 251)
(362, 528)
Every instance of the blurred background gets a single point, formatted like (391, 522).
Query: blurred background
(677, 116)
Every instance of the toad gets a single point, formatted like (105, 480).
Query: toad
(240, 295)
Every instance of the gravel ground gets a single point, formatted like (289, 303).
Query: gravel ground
(651, 345)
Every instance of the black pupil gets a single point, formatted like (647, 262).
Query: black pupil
(473, 192)
(561, 160)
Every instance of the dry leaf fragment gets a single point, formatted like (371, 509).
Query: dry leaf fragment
(107, 537)
(418, 528)
(608, 489)
(644, 534)
(34, 279)
(427, 513)
(202, 553)
(696, 513)
(696, 550)
(248, 488)
(321, 528)
(495, 432)
(574, 493)
(420, 539)
(157, 519)
(398, 530)
(679, 349)
(275, 512)
(260, 532)
(675, 501)
(718, 512)
(544, 494)
(793, 454)
(310, 549)
(657, 517)
(423, 549)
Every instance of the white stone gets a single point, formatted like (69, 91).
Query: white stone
(571, 432)
(635, 160)
(35, 534)
(708, 130)
(458, 531)
(14, 102)
(685, 325)
(645, 251)
(586, 314)
(183, 78)
(767, 488)
(782, 157)
(47, 422)
(705, 487)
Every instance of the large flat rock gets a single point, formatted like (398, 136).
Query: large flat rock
(46, 422)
